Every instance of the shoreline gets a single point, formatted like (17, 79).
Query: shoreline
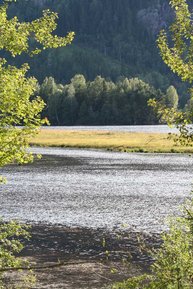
(118, 150)
(109, 141)
(92, 258)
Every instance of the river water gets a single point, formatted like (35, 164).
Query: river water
(122, 128)
(97, 189)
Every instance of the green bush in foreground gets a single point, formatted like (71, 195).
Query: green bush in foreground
(11, 236)
(18, 106)
(173, 266)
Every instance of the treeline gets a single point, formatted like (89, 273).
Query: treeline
(113, 38)
(101, 101)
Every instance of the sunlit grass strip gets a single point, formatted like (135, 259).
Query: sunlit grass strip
(116, 141)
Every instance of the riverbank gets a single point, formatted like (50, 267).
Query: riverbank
(109, 140)
(77, 258)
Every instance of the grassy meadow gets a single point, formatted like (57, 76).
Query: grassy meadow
(114, 141)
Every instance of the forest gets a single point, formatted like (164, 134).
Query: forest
(101, 101)
(112, 38)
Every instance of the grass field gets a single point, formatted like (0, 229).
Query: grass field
(115, 141)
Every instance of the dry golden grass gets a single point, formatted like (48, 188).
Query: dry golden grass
(120, 141)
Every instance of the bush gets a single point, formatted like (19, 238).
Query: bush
(12, 236)
(173, 266)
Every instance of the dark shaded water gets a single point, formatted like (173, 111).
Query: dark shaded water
(97, 189)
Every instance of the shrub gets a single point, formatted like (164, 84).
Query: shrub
(173, 266)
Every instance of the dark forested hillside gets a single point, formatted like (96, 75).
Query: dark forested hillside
(113, 38)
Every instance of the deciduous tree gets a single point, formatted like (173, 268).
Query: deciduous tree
(176, 49)
(18, 106)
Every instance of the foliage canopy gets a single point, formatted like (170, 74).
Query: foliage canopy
(99, 102)
(18, 106)
(176, 49)
(179, 57)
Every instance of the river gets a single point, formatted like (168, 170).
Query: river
(97, 189)
(121, 128)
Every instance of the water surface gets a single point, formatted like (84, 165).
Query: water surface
(122, 128)
(91, 188)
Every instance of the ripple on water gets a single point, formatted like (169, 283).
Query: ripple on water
(91, 188)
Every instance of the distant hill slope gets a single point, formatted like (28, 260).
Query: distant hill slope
(113, 38)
